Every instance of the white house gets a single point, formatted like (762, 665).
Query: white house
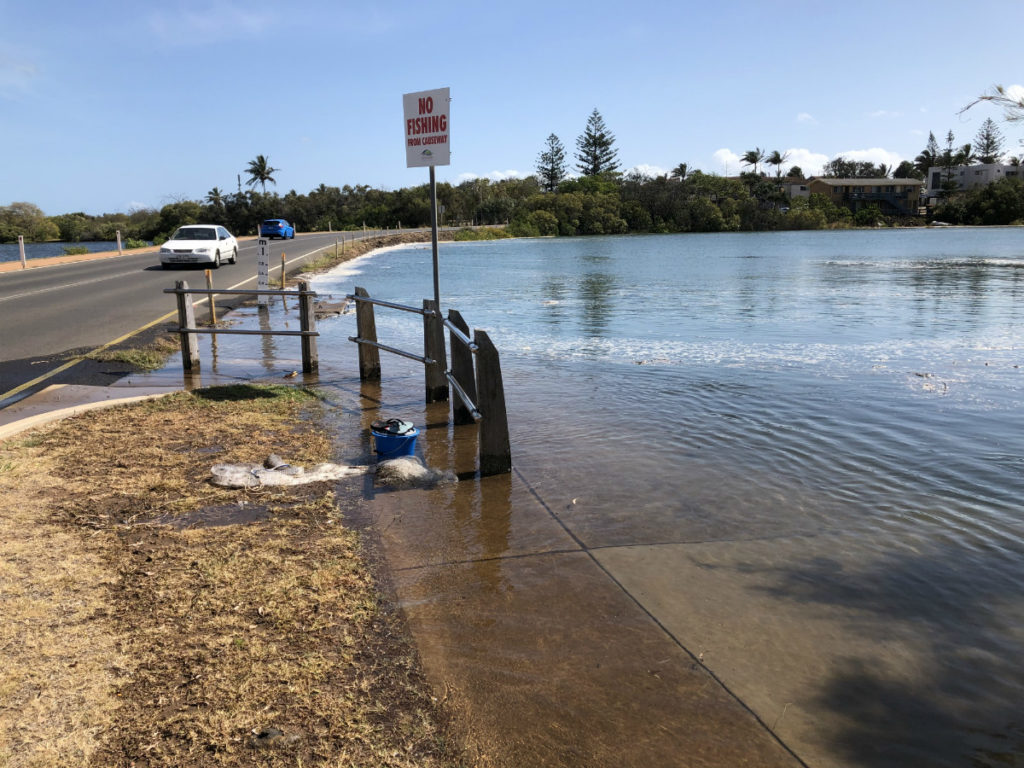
(969, 176)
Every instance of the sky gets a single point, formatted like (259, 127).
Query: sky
(114, 105)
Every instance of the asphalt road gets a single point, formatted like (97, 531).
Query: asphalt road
(51, 316)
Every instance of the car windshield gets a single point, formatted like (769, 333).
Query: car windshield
(272, 223)
(195, 233)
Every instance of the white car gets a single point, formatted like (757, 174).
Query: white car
(199, 244)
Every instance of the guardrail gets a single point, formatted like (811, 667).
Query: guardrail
(187, 322)
(474, 376)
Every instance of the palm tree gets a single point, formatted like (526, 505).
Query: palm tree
(777, 158)
(753, 157)
(966, 155)
(884, 170)
(260, 172)
(215, 197)
(679, 172)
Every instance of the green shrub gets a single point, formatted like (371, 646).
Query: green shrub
(488, 233)
(131, 242)
(75, 250)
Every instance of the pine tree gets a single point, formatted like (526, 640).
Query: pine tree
(988, 144)
(595, 153)
(929, 157)
(551, 164)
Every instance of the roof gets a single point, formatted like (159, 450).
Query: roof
(866, 182)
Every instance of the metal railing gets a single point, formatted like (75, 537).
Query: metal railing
(474, 376)
(187, 328)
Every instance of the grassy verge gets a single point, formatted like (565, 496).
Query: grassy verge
(153, 619)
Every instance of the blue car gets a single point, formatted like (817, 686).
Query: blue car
(277, 228)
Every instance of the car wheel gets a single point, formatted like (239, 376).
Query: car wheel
(216, 261)
(234, 256)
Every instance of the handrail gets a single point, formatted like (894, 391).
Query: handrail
(382, 303)
(188, 330)
(458, 334)
(218, 331)
(393, 350)
(240, 292)
(477, 416)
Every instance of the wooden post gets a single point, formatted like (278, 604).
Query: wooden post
(282, 270)
(495, 453)
(335, 247)
(187, 319)
(307, 322)
(209, 286)
(433, 348)
(366, 328)
(462, 370)
(120, 252)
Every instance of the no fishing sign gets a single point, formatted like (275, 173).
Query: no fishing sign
(427, 128)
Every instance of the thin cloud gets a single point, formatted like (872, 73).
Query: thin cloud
(217, 22)
(883, 113)
(493, 176)
(16, 75)
(806, 117)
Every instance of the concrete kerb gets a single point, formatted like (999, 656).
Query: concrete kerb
(61, 401)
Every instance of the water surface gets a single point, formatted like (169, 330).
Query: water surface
(801, 453)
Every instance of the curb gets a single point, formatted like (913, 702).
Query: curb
(38, 410)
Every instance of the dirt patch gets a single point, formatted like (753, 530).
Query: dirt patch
(266, 641)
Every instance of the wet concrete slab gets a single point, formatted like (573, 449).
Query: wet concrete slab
(843, 657)
(548, 660)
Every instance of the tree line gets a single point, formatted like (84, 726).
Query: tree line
(593, 197)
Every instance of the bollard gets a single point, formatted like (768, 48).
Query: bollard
(495, 453)
(213, 307)
(186, 320)
(307, 322)
(21, 251)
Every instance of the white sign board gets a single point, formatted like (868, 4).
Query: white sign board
(262, 269)
(427, 128)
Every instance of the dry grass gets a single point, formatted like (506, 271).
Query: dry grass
(134, 643)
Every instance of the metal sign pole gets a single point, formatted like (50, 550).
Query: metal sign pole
(433, 239)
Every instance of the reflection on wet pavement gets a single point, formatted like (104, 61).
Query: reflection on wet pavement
(549, 661)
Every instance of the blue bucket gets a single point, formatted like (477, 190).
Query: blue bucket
(393, 446)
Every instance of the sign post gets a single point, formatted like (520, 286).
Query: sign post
(262, 269)
(427, 132)
(21, 251)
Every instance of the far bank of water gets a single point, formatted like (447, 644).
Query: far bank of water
(10, 251)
